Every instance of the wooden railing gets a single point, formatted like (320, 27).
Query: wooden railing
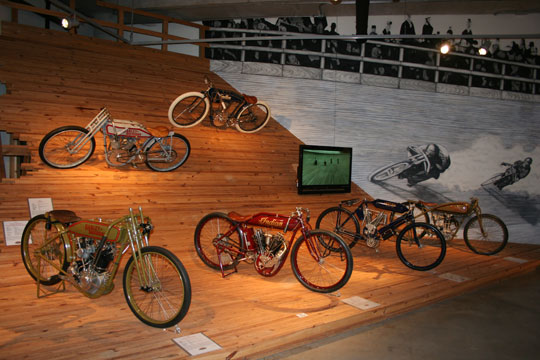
(119, 27)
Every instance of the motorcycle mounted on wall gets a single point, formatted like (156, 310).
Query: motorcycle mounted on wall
(226, 108)
(125, 142)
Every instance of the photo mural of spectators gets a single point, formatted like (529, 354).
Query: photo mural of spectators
(520, 52)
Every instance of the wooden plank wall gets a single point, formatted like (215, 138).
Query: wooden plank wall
(57, 79)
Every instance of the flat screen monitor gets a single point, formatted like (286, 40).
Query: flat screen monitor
(324, 169)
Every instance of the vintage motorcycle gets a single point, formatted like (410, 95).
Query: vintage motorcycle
(59, 246)
(226, 108)
(484, 234)
(125, 142)
(424, 162)
(320, 259)
(513, 173)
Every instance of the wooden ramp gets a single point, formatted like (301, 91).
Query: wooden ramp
(55, 79)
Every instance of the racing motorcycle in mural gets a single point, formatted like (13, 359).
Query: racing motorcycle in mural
(513, 173)
(125, 142)
(320, 259)
(59, 246)
(225, 107)
(424, 162)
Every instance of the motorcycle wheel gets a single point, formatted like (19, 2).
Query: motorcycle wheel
(341, 221)
(253, 117)
(492, 180)
(389, 171)
(165, 299)
(53, 148)
(322, 262)
(168, 153)
(488, 239)
(188, 109)
(421, 246)
(38, 240)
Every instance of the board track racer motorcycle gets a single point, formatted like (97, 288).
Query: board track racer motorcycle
(125, 142)
(59, 246)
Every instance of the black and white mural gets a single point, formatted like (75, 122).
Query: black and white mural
(420, 145)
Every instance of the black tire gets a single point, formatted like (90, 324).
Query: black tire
(341, 221)
(253, 118)
(421, 246)
(492, 180)
(166, 300)
(188, 109)
(48, 242)
(316, 266)
(168, 153)
(53, 147)
(210, 228)
(389, 171)
(488, 242)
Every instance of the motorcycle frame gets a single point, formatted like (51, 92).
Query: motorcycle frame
(294, 223)
(222, 95)
(129, 237)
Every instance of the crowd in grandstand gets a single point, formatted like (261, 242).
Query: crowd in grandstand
(519, 52)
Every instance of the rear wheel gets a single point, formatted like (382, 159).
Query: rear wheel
(322, 262)
(421, 246)
(341, 221)
(217, 229)
(160, 294)
(62, 148)
(43, 251)
(188, 109)
(168, 153)
(488, 239)
(253, 118)
(389, 171)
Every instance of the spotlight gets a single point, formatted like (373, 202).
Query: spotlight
(70, 22)
(484, 48)
(445, 48)
(335, 2)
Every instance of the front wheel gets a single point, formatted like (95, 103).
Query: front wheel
(66, 147)
(341, 221)
(168, 153)
(318, 266)
(486, 235)
(43, 250)
(389, 171)
(421, 246)
(253, 118)
(160, 294)
(188, 109)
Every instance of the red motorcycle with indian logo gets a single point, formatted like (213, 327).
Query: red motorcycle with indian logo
(320, 259)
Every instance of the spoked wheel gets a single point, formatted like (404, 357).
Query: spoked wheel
(322, 262)
(63, 148)
(42, 249)
(389, 171)
(217, 228)
(168, 153)
(160, 294)
(341, 221)
(253, 117)
(421, 246)
(188, 109)
(487, 239)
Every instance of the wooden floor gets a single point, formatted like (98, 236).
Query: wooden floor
(55, 79)
(247, 315)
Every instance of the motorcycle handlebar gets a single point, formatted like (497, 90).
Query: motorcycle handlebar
(300, 210)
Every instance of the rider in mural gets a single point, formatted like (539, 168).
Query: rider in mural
(516, 171)
(439, 161)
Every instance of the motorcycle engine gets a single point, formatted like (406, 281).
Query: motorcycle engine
(271, 248)
(88, 276)
(372, 221)
(446, 223)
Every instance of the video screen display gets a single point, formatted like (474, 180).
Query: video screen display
(324, 169)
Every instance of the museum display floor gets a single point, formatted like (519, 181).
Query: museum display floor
(500, 321)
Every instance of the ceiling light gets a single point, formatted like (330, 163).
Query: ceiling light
(70, 22)
(445, 48)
